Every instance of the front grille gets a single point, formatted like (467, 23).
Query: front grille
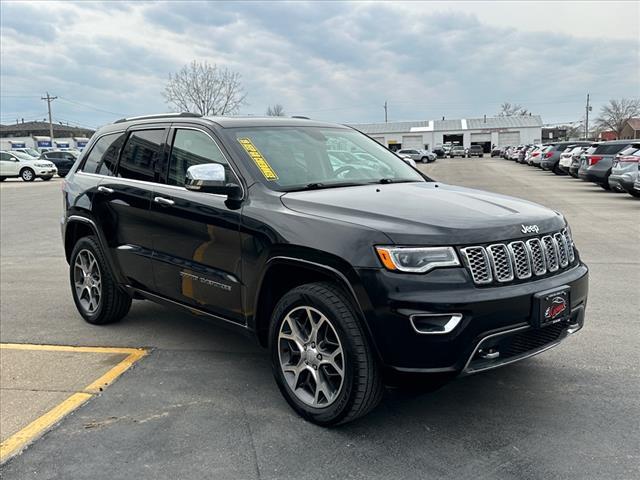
(529, 340)
(519, 260)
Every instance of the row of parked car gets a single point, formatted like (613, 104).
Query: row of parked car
(29, 164)
(613, 165)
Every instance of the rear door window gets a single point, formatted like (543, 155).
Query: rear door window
(140, 154)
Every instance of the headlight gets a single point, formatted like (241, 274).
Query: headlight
(417, 260)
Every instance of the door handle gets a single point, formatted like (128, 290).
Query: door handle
(165, 202)
(105, 190)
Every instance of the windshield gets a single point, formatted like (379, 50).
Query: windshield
(23, 156)
(298, 158)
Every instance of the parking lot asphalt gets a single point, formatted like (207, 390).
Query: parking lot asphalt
(203, 404)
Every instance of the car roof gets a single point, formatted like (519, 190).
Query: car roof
(222, 122)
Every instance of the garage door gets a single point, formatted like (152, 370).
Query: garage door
(508, 139)
(412, 141)
(480, 137)
(380, 140)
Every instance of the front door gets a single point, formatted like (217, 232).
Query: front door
(196, 237)
(9, 165)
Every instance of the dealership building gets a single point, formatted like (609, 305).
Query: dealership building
(37, 135)
(429, 134)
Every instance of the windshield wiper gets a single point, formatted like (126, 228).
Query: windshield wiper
(320, 185)
(395, 180)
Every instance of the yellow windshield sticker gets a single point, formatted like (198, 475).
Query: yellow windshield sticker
(259, 160)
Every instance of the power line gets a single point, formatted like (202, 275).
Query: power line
(73, 102)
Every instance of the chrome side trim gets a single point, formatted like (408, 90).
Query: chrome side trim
(161, 298)
(453, 322)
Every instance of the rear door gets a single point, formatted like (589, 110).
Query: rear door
(196, 236)
(124, 200)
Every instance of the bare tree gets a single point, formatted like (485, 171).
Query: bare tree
(276, 110)
(614, 115)
(509, 110)
(206, 89)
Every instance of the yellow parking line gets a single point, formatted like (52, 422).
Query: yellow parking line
(35, 429)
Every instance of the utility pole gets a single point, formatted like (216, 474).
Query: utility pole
(586, 122)
(49, 100)
(385, 111)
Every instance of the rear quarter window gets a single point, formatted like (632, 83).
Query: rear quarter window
(103, 155)
(610, 149)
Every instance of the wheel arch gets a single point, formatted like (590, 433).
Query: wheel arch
(282, 273)
(78, 226)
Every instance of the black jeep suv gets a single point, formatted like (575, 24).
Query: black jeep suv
(353, 268)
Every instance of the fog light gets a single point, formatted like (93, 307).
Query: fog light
(435, 323)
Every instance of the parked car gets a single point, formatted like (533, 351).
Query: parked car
(551, 157)
(418, 155)
(635, 191)
(475, 151)
(457, 151)
(533, 153)
(29, 151)
(20, 165)
(496, 151)
(63, 160)
(523, 153)
(596, 166)
(352, 277)
(514, 154)
(408, 160)
(624, 171)
(440, 152)
(566, 157)
(578, 159)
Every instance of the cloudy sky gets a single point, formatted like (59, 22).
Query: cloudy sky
(332, 61)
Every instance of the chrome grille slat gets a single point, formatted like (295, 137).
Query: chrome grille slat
(550, 253)
(520, 259)
(500, 262)
(563, 256)
(478, 262)
(538, 261)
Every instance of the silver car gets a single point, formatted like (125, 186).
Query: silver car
(624, 171)
(419, 155)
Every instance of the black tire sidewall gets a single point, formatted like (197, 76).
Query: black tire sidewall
(88, 243)
(340, 407)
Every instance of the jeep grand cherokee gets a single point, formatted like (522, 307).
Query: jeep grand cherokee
(353, 268)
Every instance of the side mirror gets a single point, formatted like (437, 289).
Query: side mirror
(211, 178)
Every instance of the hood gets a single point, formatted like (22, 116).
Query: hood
(428, 213)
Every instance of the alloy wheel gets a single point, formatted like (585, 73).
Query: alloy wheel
(87, 281)
(311, 356)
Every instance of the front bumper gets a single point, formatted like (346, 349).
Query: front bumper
(486, 311)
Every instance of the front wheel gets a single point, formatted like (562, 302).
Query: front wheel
(424, 160)
(322, 360)
(27, 175)
(46, 179)
(95, 292)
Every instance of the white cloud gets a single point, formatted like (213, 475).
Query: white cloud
(335, 61)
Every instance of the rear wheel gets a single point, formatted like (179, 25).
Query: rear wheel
(321, 358)
(95, 292)
(27, 175)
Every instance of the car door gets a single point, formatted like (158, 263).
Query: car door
(124, 199)
(9, 165)
(196, 236)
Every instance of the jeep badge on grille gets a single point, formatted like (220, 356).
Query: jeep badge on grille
(529, 229)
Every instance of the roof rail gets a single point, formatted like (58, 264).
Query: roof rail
(300, 117)
(159, 115)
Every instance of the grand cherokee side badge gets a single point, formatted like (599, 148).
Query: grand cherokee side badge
(529, 229)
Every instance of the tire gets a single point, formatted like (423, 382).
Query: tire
(424, 160)
(27, 175)
(2, 179)
(343, 398)
(112, 303)
(482, 155)
(46, 179)
(633, 193)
